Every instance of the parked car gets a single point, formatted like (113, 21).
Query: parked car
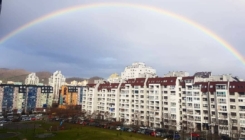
(172, 136)
(148, 132)
(118, 128)
(33, 118)
(225, 137)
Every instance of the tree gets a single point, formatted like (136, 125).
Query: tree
(94, 115)
(137, 117)
(108, 116)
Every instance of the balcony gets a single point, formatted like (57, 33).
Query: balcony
(221, 102)
(198, 119)
(223, 117)
(189, 112)
(242, 117)
(205, 114)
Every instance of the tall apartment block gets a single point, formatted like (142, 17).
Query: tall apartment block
(193, 103)
(32, 79)
(25, 97)
(56, 81)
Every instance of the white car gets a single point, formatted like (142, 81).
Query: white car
(118, 128)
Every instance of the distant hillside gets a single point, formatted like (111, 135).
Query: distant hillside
(43, 76)
(91, 80)
(19, 75)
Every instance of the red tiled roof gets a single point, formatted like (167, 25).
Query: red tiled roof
(162, 81)
(114, 85)
(188, 78)
(104, 86)
(237, 87)
(122, 86)
(108, 86)
(139, 82)
(204, 86)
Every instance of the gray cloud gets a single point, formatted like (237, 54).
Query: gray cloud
(102, 41)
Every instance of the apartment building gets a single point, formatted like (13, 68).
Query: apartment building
(32, 79)
(138, 70)
(70, 96)
(136, 101)
(24, 97)
(194, 103)
(56, 81)
(213, 103)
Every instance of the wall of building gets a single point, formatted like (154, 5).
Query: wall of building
(138, 70)
(24, 97)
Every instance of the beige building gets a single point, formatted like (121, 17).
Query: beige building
(114, 78)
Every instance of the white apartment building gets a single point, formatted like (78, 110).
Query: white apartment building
(56, 81)
(82, 83)
(201, 103)
(136, 101)
(138, 70)
(76, 83)
(1, 97)
(32, 79)
(176, 74)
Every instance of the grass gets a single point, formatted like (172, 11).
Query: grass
(73, 132)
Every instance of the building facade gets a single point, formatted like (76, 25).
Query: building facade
(32, 79)
(193, 103)
(24, 97)
(70, 96)
(138, 70)
(56, 81)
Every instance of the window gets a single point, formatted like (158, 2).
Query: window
(222, 101)
(232, 100)
(233, 107)
(240, 100)
(222, 108)
(205, 105)
(196, 105)
(173, 110)
(197, 99)
(173, 104)
(221, 94)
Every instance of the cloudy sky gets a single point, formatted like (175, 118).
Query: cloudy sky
(103, 40)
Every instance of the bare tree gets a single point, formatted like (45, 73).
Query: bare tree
(137, 117)
(107, 115)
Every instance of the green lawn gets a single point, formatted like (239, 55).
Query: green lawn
(72, 132)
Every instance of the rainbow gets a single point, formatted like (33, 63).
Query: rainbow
(129, 5)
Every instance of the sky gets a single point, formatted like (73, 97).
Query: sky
(104, 40)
